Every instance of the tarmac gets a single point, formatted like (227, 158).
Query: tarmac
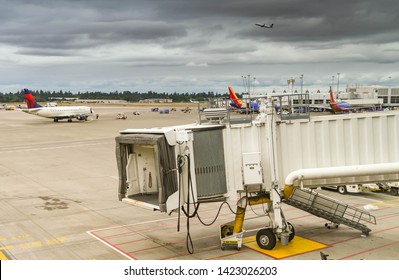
(59, 201)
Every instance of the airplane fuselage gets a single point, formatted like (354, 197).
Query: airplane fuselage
(62, 112)
(340, 107)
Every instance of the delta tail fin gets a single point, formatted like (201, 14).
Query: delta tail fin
(30, 100)
(234, 100)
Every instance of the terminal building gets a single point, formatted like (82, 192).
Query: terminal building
(357, 95)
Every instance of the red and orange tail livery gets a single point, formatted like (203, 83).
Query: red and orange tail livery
(30, 100)
(234, 100)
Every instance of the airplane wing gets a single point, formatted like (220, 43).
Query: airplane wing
(32, 110)
(321, 106)
(264, 25)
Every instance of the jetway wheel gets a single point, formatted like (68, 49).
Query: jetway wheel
(266, 239)
(292, 234)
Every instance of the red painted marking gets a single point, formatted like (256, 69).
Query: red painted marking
(369, 250)
(113, 247)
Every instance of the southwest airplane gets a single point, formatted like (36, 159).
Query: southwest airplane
(339, 107)
(237, 103)
(234, 100)
(56, 113)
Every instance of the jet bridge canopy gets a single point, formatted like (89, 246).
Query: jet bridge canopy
(158, 166)
(157, 161)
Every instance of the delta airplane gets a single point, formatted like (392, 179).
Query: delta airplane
(56, 113)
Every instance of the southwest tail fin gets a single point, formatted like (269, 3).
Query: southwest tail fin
(30, 100)
(332, 101)
(234, 101)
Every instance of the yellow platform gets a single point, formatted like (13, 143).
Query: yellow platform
(297, 246)
(2, 256)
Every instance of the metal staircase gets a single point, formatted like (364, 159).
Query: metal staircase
(330, 209)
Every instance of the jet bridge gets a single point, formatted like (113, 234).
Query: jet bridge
(266, 161)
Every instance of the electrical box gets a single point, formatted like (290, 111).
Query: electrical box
(252, 169)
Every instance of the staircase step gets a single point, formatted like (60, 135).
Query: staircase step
(329, 209)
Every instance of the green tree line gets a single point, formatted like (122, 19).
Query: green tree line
(43, 96)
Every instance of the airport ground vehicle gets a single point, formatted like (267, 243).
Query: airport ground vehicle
(343, 189)
(121, 116)
(392, 188)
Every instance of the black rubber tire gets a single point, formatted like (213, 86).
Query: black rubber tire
(266, 239)
(292, 229)
(342, 189)
(394, 191)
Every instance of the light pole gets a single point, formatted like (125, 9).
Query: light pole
(338, 83)
(290, 83)
(389, 91)
(301, 83)
(332, 86)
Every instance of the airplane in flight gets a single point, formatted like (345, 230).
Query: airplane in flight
(264, 25)
(56, 113)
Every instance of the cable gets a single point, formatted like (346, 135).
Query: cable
(182, 160)
(189, 241)
(217, 215)
(180, 164)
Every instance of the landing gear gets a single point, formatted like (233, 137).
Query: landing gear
(266, 239)
(69, 120)
(55, 120)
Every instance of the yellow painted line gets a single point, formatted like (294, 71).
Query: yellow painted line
(298, 245)
(2, 256)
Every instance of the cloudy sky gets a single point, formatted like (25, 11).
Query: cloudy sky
(196, 45)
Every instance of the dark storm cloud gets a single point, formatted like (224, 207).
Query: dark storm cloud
(77, 35)
(323, 21)
(78, 25)
(294, 19)
(83, 24)
(179, 39)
